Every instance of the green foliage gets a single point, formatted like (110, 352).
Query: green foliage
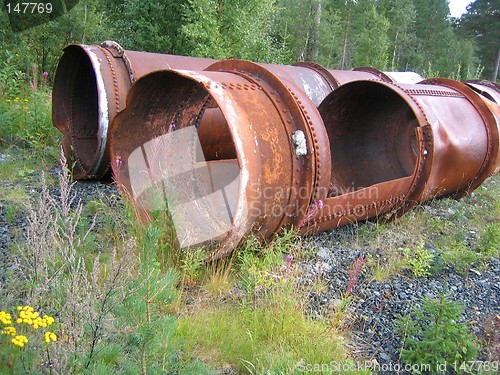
(480, 22)
(39, 48)
(256, 263)
(146, 25)
(271, 337)
(370, 49)
(402, 35)
(418, 260)
(434, 336)
(238, 29)
(12, 211)
(192, 265)
(26, 338)
(459, 257)
(11, 77)
(489, 241)
(27, 123)
(265, 331)
(145, 329)
(260, 264)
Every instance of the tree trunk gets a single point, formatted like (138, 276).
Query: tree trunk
(394, 53)
(84, 23)
(315, 32)
(495, 68)
(346, 37)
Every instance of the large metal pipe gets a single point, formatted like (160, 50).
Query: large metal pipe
(282, 153)
(393, 146)
(373, 150)
(490, 93)
(90, 87)
(92, 82)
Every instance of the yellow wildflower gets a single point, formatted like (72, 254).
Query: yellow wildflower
(20, 340)
(48, 319)
(50, 336)
(9, 331)
(26, 100)
(5, 318)
(7, 100)
(17, 99)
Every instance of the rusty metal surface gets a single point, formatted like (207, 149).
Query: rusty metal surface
(390, 76)
(394, 146)
(489, 90)
(92, 81)
(90, 87)
(233, 147)
(471, 145)
(277, 137)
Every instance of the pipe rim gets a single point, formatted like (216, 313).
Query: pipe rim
(303, 109)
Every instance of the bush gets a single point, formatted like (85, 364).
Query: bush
(434, 336)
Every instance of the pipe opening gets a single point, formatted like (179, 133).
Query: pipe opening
(183, 158)
(372, 136)
(76, 92)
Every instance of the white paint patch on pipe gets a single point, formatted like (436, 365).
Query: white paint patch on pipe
(299, 141)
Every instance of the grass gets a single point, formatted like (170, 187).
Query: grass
(272, 336)
(129, 300)
(219, 278)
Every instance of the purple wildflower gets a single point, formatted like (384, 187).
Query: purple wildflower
(354, 273)
(287, 260)
(311, 214)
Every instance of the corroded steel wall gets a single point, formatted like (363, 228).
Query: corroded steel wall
(90, 88)
(234, 147)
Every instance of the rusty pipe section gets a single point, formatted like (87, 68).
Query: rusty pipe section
(92, 81)
(312, 79)
(243, 148)
(395, 145)
(90, 87)
(490, 93)
(280, 162)
(394, 77)
(316, 81)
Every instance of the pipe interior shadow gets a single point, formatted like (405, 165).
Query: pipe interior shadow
(372, 136)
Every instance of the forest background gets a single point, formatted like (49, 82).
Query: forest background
(401, 35)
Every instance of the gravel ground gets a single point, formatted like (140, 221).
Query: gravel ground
(375, 305)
